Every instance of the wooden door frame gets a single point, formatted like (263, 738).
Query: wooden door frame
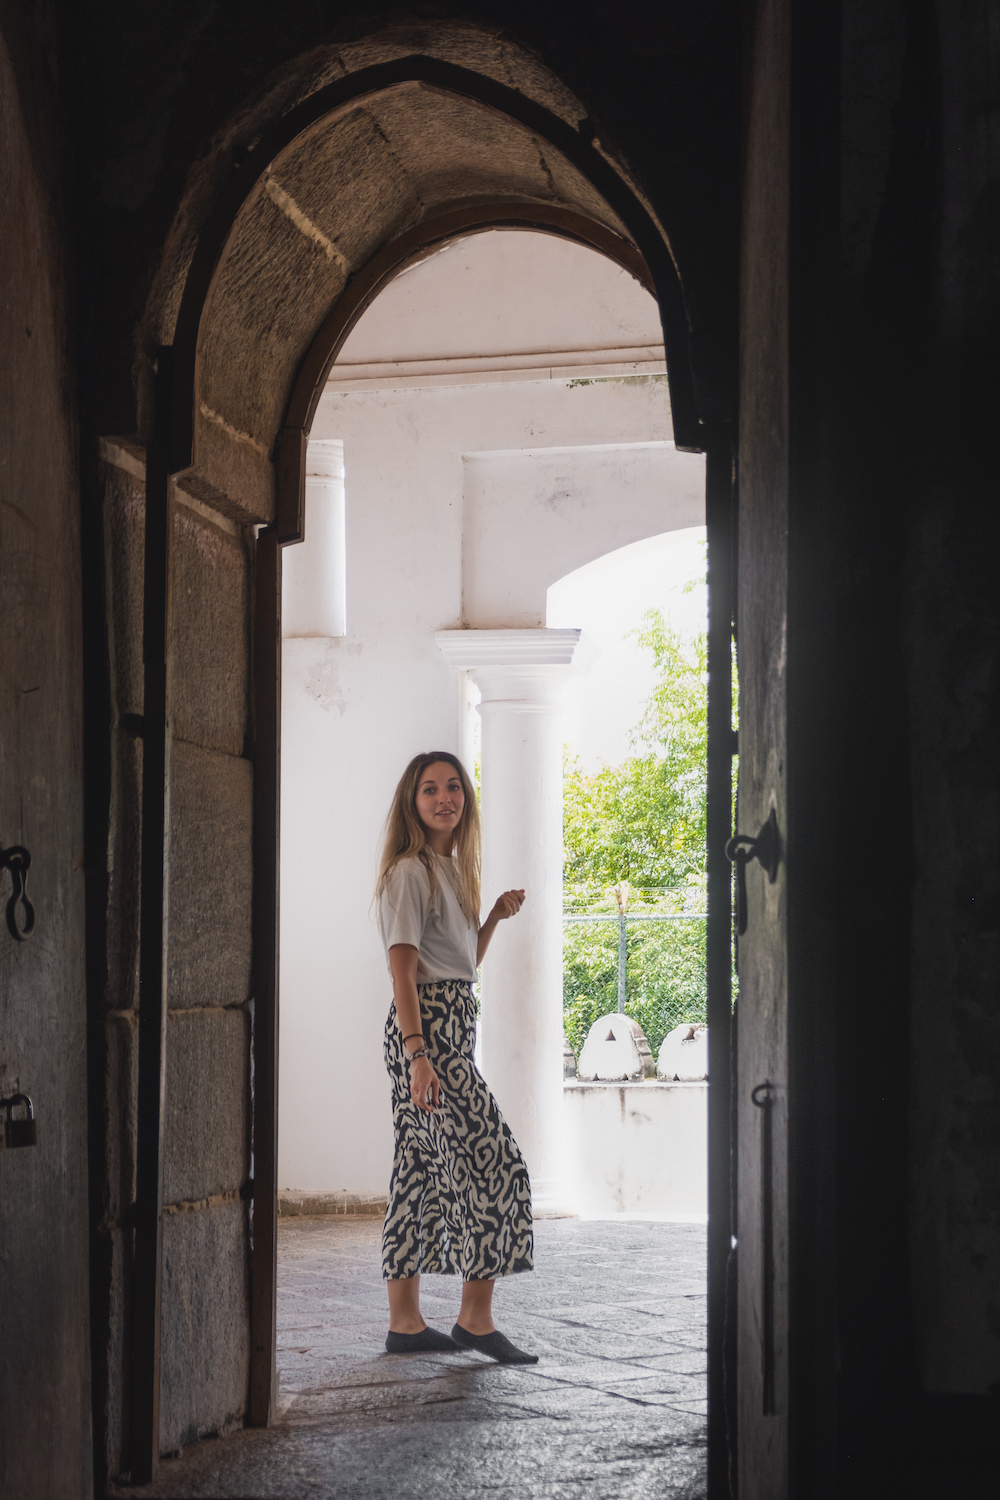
(648, 258)
(723, 745)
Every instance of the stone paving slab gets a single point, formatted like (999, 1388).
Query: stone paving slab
(615, 1409)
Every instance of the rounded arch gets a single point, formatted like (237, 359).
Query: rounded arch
(314, 216)
(336, 197)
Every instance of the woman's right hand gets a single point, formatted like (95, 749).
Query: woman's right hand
(423, 1082)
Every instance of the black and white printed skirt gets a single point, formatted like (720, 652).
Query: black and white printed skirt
(459, 1200)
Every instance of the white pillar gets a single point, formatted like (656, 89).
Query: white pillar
(521, 675)
(314, 572)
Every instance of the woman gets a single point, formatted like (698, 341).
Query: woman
(459, 1201)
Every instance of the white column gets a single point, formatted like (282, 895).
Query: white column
(521, 675)
(314, 571)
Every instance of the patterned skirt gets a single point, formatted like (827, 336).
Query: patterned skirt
(459, 1200)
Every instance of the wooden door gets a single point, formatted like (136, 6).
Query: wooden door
(761, 1093)
(44, 1370)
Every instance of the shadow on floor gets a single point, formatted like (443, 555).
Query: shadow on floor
(615, 1409)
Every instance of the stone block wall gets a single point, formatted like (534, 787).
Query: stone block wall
(206, 1167)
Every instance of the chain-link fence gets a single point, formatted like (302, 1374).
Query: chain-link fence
(644, 956)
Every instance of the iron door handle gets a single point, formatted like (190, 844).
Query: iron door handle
(16, 859)
(765, 849)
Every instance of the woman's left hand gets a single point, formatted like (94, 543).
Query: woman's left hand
(508, 905)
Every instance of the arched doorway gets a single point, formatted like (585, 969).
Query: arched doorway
(499, 412)
(347, 188)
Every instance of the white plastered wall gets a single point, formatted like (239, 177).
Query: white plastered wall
(474, 478)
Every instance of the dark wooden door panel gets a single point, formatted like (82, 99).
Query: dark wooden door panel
(44, 1372)
(762, 1112)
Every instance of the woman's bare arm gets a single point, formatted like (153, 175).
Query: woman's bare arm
(424, 1081)
(507, 905)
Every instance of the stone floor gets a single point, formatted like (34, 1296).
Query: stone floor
(614, 1409)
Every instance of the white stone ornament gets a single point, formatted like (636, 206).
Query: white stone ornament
(684, 1055)
(616, 1050)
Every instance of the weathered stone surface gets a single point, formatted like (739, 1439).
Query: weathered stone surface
(346, 182)
(124, 533)
(239, 413)
(209, 691)
(212, 878)
(283, 270)
(205, 1334)
(207, 1105)
(615, 1408)
(470, 46)
(452, 151)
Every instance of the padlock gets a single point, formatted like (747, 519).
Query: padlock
(19, 1132)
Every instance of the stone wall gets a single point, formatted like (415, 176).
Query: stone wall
(205, 1331)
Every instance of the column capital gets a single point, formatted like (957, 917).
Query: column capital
(510, 648)
(325, 459)
(522, 669)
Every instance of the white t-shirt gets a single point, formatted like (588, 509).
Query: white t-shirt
(437, 927)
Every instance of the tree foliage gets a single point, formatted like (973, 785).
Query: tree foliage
(642, 825)
(644, 821)
(666, 976)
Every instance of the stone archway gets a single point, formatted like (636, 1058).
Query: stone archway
(358, 178)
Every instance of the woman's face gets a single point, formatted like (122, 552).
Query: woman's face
(440, 801)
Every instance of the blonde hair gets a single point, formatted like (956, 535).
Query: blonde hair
(406, 837)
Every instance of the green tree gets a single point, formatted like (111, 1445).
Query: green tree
(666, 976)
(644, 820)
(643, 823)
